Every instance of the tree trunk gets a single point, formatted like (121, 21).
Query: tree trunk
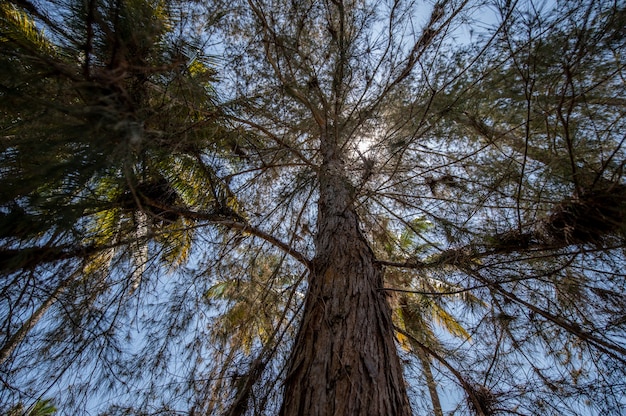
(344, 360)
(430, 380)
(7, 349)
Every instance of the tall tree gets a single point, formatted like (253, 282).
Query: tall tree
(304, 60)
(365, 182)
(109, 124)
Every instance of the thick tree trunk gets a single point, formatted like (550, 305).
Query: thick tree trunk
(344, 360)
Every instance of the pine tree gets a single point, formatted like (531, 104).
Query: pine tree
(345, 213)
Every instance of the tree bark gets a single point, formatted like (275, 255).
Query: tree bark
(344, 360)
(430, 380)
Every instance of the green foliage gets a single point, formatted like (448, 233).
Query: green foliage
(109, 132)
(167, 235)
(40, 408)
(118, 126)
(262, 292)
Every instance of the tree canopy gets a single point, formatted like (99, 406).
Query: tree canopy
(312, 207)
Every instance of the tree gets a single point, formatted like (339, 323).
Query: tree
(40, 408)
(360, 174)
(96, 197)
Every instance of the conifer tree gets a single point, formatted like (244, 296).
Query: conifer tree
(350, 211)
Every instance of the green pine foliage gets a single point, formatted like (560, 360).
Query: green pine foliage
(158, 203)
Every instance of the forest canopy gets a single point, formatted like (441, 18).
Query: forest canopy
(318, 207)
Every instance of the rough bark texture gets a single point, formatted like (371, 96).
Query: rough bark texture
(344, 360)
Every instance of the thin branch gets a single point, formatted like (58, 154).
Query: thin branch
(234, 221)
(604, 346)
(467, 387)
